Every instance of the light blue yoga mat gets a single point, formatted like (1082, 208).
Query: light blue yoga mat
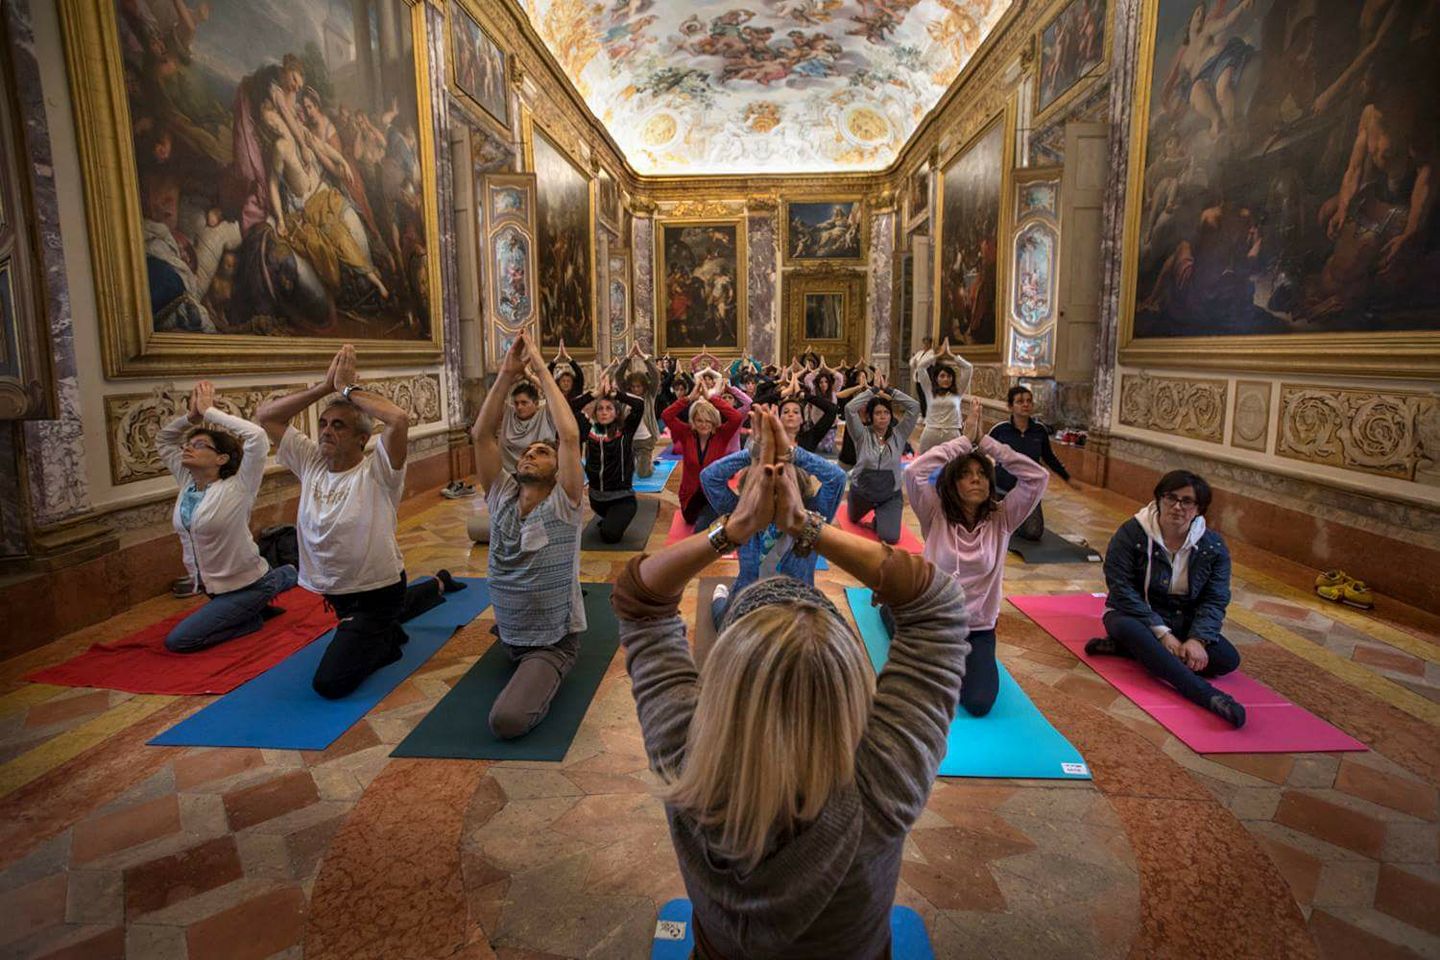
(280, 710)
(656, 481)
(675, 934)
(1014, 740)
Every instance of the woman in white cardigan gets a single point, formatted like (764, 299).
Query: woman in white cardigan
(219, 477)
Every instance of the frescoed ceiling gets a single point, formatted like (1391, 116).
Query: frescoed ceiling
(762, 86)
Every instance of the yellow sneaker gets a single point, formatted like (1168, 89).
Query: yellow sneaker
(1357, 594)
(1331, 578)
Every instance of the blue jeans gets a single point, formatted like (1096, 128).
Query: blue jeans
(230, 615)
(1135, 639)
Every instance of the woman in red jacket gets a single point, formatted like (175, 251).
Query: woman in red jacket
(702, 440)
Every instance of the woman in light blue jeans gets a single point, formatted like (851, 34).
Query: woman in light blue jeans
(219, 477)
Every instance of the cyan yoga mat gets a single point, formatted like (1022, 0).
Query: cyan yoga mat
(1014, 740)
(656, 481)
(279, 710)
(675, 933)
(459, 725)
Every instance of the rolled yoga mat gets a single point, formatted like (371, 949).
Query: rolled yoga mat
(1052, 548)
(675, 933)
(280, 710)
(139, 663)
(637, 535)
(459, 725)
(659, 476)
(1272, 723)
(1013, 740)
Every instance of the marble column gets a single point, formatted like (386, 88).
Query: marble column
(446, 246)
(642, 269)
(761, 292)
(881, 286)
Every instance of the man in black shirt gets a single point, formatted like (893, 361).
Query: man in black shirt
(1024, 434)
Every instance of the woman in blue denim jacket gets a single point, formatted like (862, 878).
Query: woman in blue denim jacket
(768, 552)
(1169, 583)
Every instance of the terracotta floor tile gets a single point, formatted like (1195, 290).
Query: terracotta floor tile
(1300, 870)
(67, 708)
(1408, 796)
(103, 835)
(1097, 693)
(1331, 822)
(107, 945)
(1339, 940)
(273, 798)
(1410, 898)
(36, 906)
(359, 737)
(204, 766)
(1280, 609)
(159, 883)
(1274, 767)
(1389, 660)
(251, 930)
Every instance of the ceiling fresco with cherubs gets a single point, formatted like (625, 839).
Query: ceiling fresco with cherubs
(762, 86)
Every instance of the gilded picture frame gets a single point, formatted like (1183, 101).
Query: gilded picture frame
(800, 291)
(508, 260)
(1411, 354)
(619, 307)
(1088, 72)
(856, 244)
(917, 197)
(989, 351)
(666, 339)
(130, 346)
(530, 129)
(455, 33)
(607, 200)
(1032, 294)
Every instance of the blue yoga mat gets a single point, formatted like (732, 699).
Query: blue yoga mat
(1014, 740)
(656, 481)
(675, 936)
(279, 710)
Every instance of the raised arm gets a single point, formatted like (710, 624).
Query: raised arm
(275, 415)
(254, 443)
(715, 480)
(923, 495)
(1030, 481)
(855, 408)
(485, 433)
(567, 431)
(396, 435)
(907, 413)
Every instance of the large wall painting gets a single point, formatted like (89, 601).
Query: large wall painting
(1282, 208)
(825, 312)
(970, 274)
(700, 285)
(1073, 48)
(567, 254)
(508, 232)
(262, 177)
(825, 231)
(477, 66)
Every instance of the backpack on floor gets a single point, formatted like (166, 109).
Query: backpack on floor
(279, 545)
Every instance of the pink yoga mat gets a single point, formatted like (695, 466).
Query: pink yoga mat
(908, 540)
(1272, 724)
(679, 530)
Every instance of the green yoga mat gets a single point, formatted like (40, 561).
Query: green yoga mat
(637, 535)
(1052, 548)
(458, 727)
(1012, 741)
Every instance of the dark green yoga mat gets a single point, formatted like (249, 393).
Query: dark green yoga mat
(1051, 548)
(458, 727)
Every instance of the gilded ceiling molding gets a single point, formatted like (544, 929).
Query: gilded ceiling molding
(762, 203)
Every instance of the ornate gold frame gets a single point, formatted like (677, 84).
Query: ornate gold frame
(1084, 82)
(473, 107)
(1407, 354)
(850, 284)
(857, 198)
(490, 226)
(913, 218)
(621, 257)
(528, 126)
(129, 345)
(610, 219)
(742, 306)
(1003, 226)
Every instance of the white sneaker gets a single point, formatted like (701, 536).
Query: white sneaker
(721, 591)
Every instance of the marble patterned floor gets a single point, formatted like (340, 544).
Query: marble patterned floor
(109, 848)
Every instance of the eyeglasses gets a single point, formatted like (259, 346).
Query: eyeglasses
(1185, 503)
(198, 444)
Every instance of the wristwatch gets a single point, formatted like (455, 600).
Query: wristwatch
(717, 538)
(814, 523)
(351, 389)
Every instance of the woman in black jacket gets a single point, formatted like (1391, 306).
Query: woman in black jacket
(1169, 581)
(609, 441)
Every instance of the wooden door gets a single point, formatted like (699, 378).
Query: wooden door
(1082, 191)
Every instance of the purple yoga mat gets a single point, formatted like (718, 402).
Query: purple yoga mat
(1272, 725)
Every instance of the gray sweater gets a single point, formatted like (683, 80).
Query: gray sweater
(825, 891)
(870, 452)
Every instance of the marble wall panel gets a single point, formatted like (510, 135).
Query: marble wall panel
(1393, 434)
(1251, 428)
(763, 254)
(642, 248)
(881, 286)
(1174, 405)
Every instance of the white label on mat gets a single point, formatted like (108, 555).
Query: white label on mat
(1074, 769)
(670, 930)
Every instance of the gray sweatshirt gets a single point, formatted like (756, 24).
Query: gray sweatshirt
(825, 891)
(870, 452)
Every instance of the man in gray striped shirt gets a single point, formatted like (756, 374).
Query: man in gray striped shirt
(535, 518)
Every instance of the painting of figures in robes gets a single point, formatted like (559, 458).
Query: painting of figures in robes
(567, 263)
(279, 173)
(825, 231)
(968, 268)
(478, 67)
(700, 281)
(1283, 184)
(1072, 46)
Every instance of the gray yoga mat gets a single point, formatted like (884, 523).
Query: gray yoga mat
(637, 535)
(1052, 548)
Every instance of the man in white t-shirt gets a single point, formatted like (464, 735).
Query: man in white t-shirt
(346, 521)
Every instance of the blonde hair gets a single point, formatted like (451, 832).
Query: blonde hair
(704, 410)
(784, 698)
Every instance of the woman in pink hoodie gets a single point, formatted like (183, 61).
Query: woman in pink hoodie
(951, 488)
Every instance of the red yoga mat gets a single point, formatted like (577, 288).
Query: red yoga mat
(140, 663)
(679, 530)
(908, 540)
(1272, 723)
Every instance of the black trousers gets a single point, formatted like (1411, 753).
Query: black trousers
(1034, 526)
(369, 635)
(982, 676)
(614, 516)
(1135, 638)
